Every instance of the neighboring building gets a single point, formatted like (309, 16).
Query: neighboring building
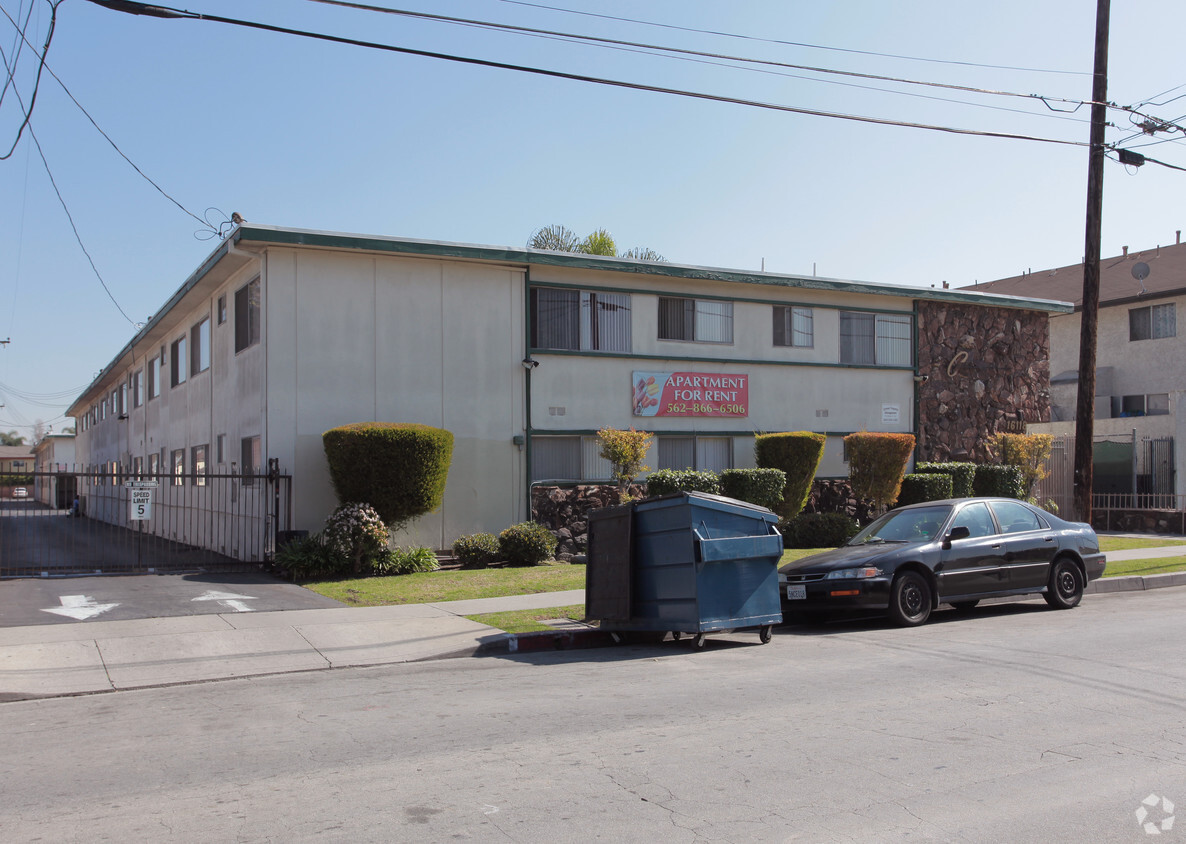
(54, 462)
(284, 333)
(1140, 360)
(16, 459)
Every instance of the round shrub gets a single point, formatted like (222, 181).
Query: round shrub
(526, 544)
(405, 561)
(762, 487)
(477, 550)
(400, 469)
(355, 534)
(818, 530)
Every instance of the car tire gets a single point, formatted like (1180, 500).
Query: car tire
(965, 606)
(1064, 590)
(910, 599)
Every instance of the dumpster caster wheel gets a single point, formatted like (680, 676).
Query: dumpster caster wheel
(766, 633)
(676, 635)
(698, 641)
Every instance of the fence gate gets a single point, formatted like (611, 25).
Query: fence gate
(71, 522)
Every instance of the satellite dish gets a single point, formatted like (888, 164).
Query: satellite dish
(1140, 271)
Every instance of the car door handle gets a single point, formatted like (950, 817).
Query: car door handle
(998, 545)
(1048, 539)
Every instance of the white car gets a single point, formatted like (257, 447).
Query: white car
(20, 492)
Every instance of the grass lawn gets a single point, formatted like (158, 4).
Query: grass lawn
(528, 621)
(1157, 565)
(1126, 543)
(792, 554)
(435, 586)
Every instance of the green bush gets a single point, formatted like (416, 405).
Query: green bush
(798, 455)
(526, 544)
(307, 558)
(477, 550)
(962, 475)
(757, 486)
(399, 469)
(667, 481)
(1001, 481)
(924, 487)
(876, 464)
(394, 561)
(818, 530)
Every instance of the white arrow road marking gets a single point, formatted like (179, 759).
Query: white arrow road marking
(228, 599)
(80, 607)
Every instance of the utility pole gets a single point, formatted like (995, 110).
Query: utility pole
(1085, 404)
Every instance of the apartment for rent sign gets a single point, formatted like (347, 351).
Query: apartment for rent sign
(690, 394)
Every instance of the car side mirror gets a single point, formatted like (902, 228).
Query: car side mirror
(957, 532)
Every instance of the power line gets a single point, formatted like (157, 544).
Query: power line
(37, 82)
(685, 52)
(17, 47)
(136, 8)
(791, 43)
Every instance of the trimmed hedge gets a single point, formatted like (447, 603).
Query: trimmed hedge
(667, 481)
(763, 487)
(400, 470)
(961, 474)
(477, 550)
(798, 455)
(1000, 481)
(923, 486)
(526, 544)
(876, 464)
(818, 530)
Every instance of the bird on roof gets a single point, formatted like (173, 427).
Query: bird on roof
(237, 218)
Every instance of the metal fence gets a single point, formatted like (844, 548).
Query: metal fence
(1128, 473)
(81, 521)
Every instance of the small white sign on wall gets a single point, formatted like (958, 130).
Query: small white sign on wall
(891, 414)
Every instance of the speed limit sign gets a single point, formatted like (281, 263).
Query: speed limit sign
(141, 505)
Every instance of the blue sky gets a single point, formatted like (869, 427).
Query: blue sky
(295, 132)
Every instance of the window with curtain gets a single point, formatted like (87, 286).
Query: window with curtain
(1154, 322)
(580, 320)
(793, 326)
(704, 454)
(875, 339)
(568, 458)
(696, 320)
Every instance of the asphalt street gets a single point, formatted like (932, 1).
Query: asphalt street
(1013, 723)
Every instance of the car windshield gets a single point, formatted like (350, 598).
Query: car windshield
(917, 524)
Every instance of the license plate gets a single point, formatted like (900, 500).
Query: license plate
(796, 592)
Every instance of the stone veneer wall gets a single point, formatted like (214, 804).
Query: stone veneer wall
(565, 512)
(987, 370)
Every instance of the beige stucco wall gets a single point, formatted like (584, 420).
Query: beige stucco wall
(357, 338)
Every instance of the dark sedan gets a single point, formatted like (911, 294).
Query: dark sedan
(956, 552)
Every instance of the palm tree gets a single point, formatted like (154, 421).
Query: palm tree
(559, 238)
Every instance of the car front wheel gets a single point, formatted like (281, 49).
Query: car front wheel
(1065, 587)
(910, 599)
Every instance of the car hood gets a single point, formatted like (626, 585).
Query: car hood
(849, 555)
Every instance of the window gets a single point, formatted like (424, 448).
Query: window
(138, 388)
(220, 449)
(154, 377)
(793, 327)
(1015, 517)
(199, 347)
(251, 459)
(177, 362)
(698, 320)
(103, 409)
(1154, 404)
(705, 454)
(247, 315)
(1152, 323)
(197, 460)
(154, 465)
(117, 407)
(580, 320)
(138, 467)
(123, 399)
(875, 339)
(568, 459)
(976, 518)
(178, 462)
(222, 309)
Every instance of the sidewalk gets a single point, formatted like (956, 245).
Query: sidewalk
(83, 658)
(101, 656)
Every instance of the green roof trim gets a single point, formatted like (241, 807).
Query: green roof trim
(540, 258)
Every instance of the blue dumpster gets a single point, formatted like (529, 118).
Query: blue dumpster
(684, 563)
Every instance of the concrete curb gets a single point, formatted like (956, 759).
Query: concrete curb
(1136, 583)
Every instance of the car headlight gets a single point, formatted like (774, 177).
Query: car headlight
(854, 574)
